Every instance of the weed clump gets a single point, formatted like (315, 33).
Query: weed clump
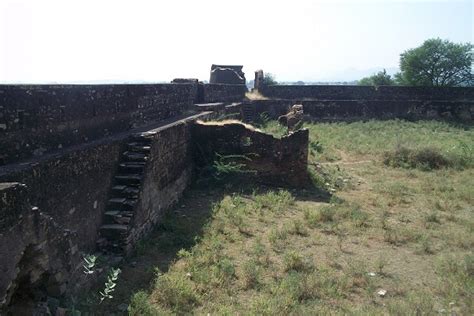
(294, 261)
(251, 274)
(176, 292)
(428, 158)
(140, 305)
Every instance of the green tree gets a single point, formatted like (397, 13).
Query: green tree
(437, 63)
(269, 79)
(379, 79)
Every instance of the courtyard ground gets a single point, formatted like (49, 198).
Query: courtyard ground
(387, 228)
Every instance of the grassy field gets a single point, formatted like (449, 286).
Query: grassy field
(395, 237)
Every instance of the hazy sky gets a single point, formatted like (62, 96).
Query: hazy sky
(63, 41)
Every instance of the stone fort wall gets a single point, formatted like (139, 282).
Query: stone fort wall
(71, 141)
(341, 92)
(37, 119)
(61, 146)
(364, 102)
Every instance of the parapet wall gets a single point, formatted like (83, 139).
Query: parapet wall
(35, 119)
(351, 110)
(224, 92)
(334, 103)
(368, 93)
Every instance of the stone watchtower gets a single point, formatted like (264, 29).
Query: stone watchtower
(258, 82)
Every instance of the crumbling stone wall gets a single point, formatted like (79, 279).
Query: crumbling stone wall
(38, 256)
(227, 74)
(275, 161)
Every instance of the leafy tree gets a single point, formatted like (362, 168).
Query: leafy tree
(379, 79)
(269, 79)
(437, 63)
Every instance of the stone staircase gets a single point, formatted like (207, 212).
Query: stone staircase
(248, 112)
(115, 229)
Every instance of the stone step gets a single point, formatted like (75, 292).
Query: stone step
(139, 148)
(112, 213)
(112, 248)
(128, 179)
(117, 201)
(132, 167)
(116, 217)
(119, 212)
(118, 188)
(138, 138)
(114, 232)
(122, 204)
(101, 242)
(133, 156)
(125, 191)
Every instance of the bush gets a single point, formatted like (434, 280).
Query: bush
(229, 165)
(293, 261)
(424, 158)
(176, 292)
(251, 274)
(269, 79)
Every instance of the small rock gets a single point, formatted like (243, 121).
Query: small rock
(381, 292)
(115, 260)
(61, 311)
(122, 307)
(372, 274)
(188, 274)
(52, 302)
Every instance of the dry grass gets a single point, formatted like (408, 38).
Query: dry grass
(255, 95)
(227, 122)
